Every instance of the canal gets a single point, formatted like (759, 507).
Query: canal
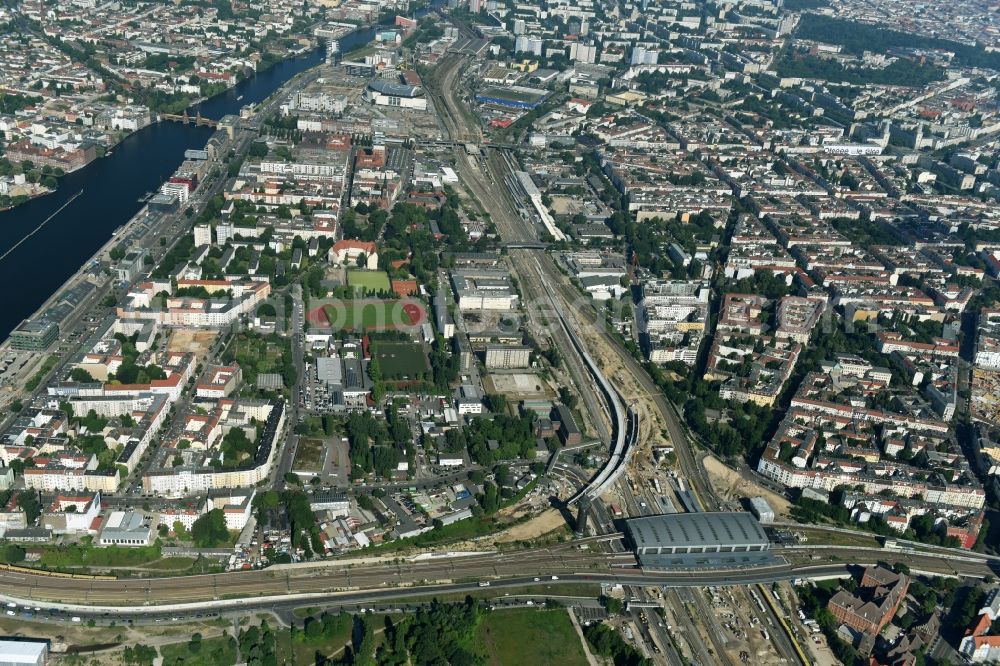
(111, 189)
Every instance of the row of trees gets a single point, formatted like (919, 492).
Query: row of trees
(258, 646)
(436, 634)
(514, 437)
(606, 642)
(375, 445)
(858, 37)
(901, 72)
(439, 634)
(304, 531)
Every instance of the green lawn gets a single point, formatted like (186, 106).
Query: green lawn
(212, 651)
(529, 636)
(308, 455)
(303, 652)
(84, 554)
(401, 360)
(359, 315)
(370, 280)
(179, 563)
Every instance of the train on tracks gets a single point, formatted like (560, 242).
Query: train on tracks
(54, 574)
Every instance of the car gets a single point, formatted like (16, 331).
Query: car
(76, 618)
(555, 578)
(537, 579)
(10, 612)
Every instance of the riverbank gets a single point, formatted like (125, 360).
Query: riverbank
(114, 185)
(117, 138)
(20, 199)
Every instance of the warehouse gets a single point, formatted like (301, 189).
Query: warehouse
(484, 289)
(24, 651)
(517, 97)
(760, 508)
(680, 540)
(507, 356)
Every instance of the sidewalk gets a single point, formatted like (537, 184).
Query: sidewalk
(591, 660)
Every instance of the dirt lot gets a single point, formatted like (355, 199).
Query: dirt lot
(190, 339)
(102, 644)
(522, 385)
(651, 425)
(731, 485)
(541, 524)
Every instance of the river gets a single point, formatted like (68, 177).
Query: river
(112, 187)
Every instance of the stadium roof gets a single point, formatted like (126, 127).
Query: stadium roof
(394, 89)
(696, 530)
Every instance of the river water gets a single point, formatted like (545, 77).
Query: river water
(112, 187)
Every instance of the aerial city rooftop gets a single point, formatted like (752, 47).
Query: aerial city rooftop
(686, 307)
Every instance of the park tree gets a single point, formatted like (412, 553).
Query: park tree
(210, 529)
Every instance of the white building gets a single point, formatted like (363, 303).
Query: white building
(386, 93)
(126, 528)
(202, 235)
(24, 653)
(507, 356)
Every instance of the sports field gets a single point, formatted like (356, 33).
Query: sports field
(401, 360)
(371, 280)
(368, 314)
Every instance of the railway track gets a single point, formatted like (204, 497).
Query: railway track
(545, 282)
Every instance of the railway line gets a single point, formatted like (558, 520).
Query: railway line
(491, 180)
(545, 282)
(574, 562)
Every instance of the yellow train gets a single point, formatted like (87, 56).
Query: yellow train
(54, 574)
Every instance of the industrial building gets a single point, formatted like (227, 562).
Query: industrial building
(345, 380)
(483, 289)
(386, 93)
(515, 97)
(126, 528)
(702, 540)
(507, 356)
(23, 651)
(569, 431)
(761, 509)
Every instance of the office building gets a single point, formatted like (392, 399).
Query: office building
(34, 335)
(202, 235)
